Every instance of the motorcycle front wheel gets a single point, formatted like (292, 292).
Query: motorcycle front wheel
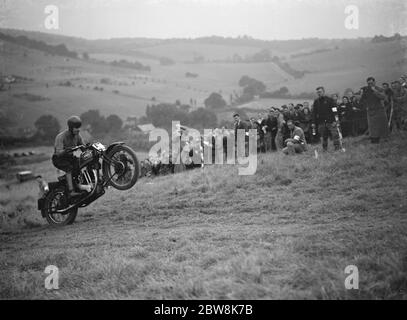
(123, 169)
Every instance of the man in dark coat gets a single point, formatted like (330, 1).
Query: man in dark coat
(399, 105)
(261, 131)
(239, 124)
(323, 114)
(372, 97)
(403, 81)
(305, 123)
(345, 116)
(271, 130)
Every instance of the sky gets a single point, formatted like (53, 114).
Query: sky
(261, 19)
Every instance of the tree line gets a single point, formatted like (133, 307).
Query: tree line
(47, 128)
(161, 115)
(60, 50)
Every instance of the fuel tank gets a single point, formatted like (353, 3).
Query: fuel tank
(85, 158)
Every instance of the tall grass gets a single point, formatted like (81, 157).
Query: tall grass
(286, 232)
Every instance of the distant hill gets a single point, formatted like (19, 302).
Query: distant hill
(138, 77)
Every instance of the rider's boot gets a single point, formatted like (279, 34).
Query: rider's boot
(71, 189)
(85, 187)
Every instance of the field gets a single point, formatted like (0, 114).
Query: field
(289, 231)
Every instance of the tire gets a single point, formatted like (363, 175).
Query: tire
(128, 162)
(57, 195)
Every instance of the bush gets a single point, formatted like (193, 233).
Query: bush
(47, 127)
(30, 97)
(163, 114)
(191, 75)
(132, 65)
(114, 123)
(166, 61)
(252, 88)
(202, 119)
(215, 101)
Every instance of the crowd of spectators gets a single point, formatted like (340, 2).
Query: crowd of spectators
(292, 127)
(351, 113)
(273, 129)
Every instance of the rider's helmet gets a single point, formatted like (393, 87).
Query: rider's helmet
(74, 122)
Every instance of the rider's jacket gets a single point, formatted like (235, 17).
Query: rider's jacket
(66, 140)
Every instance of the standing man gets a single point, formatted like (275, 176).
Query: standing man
(400, 105)
(261, 132)
(323, 114)
(335, 97)
(389, 96)
(305, 123)
(297, 113)
(403, 81)
(284, 116)
(291, 110)
(372, 97)
(387, 90)
(239, 124)
(271, 130)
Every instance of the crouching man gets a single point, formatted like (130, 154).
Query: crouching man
(63, 159)
(296, 143)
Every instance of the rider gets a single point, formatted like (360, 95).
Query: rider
(63, 158)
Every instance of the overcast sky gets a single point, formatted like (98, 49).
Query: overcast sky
(263, 19)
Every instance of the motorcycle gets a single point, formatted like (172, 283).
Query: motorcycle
(99, 167)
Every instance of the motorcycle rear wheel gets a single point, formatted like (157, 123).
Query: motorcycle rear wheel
(55, 201)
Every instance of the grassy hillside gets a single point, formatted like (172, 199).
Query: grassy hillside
(289, 231)
(46, 73)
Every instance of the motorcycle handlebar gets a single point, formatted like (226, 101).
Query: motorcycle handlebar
(73, 149)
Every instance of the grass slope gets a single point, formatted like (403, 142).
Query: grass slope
(287, 232)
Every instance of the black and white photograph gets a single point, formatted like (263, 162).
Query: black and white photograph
(217, 152)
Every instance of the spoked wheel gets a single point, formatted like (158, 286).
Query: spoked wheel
(123, 169)
(57, 200)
